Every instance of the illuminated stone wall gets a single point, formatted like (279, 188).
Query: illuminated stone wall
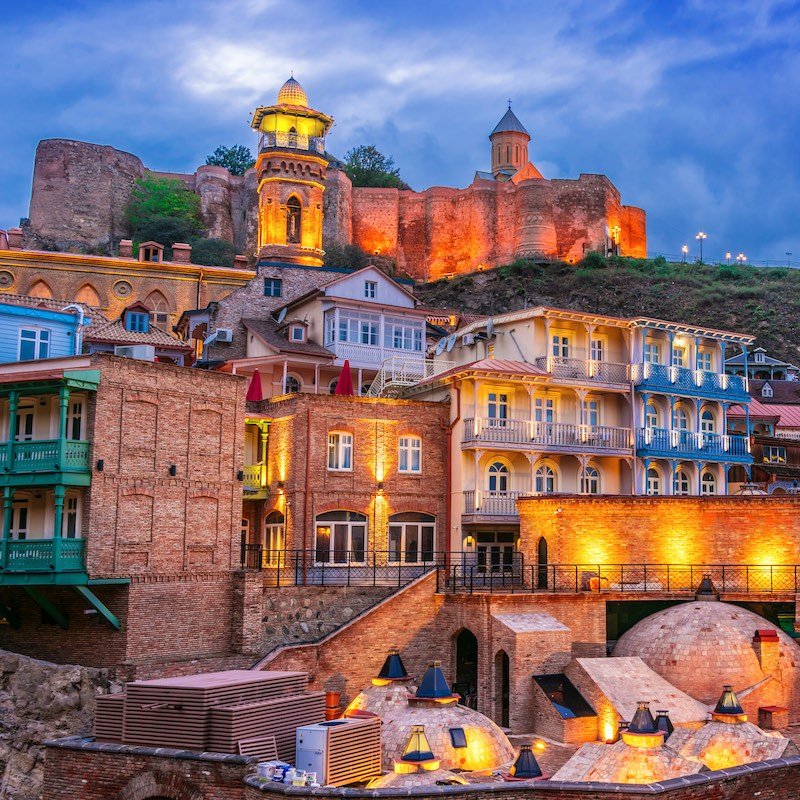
(662, 530)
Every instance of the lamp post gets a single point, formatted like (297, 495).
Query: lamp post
(685, 251)
(728, 257)
(741, 258)
(788, 259)
(700, 238)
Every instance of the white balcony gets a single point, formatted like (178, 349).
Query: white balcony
(369, 356)
(583, 369)
(491, 504)
(527, 434)
(401, 371)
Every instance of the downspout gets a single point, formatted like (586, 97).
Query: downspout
(78, 327)
(449, 474)
(307, 491)
(199, 284)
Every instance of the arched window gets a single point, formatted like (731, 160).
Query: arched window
(466, 682)
(653, 481)
(508, 154)
(332, 385)
(88, 294)
(708, 483)
(680, 482)
(412, 537)
(274, 533)
(541, 567)
(546, 481)
(293, 221)
(651, 416)
(502, 688)
(341, 537)
(293, 385)
(680, 419)
(159, 307)
(499, 477)
(707, 421)
(40, 289)
(590, 480)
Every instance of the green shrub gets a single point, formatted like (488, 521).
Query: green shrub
(213, 252)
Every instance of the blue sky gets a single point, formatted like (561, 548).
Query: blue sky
(691, 108)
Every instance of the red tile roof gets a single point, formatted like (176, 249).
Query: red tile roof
(788, 415)
(114, 332)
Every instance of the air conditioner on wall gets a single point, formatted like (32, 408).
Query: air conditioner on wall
(224, 335)
(469, 338)
(141, 352)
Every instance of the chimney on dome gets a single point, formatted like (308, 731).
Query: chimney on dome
(434, 686)
(14, 236)
(728, 708)
(706, 590)
(768, 649)
(664, 724)
(526, 767)
(393, 668)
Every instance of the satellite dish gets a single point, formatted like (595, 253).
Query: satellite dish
(451, 342)
(490, 328)
(281, 315)
(440, 346)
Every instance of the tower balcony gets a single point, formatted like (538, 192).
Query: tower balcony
(283, 140)
(698, 446)
(690, 382)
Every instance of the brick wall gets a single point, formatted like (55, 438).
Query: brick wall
(663, 530)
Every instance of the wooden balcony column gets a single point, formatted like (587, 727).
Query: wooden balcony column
(13, 404)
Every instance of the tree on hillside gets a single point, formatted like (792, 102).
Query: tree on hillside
(365, 165)
(155, 198)
(237, 159)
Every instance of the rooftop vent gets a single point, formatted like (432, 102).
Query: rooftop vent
(642, 721)
(706, 590)
(393, 668)
(664, 724)
(526, 767)
(728, 707)
(434, 685)
(418, 749)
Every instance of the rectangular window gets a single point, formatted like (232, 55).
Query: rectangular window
(561, 345)
(591, 412)
(678, 357)
(775, 455)
(273, 287)
(75, 421)
(340, 452)
(410, 454)
(652, 353)
(403, 334)
(704, 361)
(598, 350)
(70, 523)
(370, 289)
(34, 343)
(330, 328)
(137, 321)
(544, 409)
(358, 328)
(298, 333)
(497, 406)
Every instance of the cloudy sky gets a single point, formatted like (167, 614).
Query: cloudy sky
(691, 108)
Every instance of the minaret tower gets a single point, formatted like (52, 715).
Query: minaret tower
(291, 168)
(509, 146)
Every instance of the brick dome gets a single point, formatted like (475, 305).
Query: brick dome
(292, 94)
(700, 646)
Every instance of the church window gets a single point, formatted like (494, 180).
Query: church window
(293, 221)
(159, 308)
(508, 153)
(88, 294)
(40, 289)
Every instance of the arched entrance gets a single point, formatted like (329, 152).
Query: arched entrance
(541, 561)
(466, 683)
(502, 671)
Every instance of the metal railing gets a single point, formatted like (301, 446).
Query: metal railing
(695, 443)
(619, 578)
(43, 455)
(546, 434)
(584, 369)
(691, 381)
(400, 371)
(482, 501)
(42, 555)
(252, 475)
(340, 567)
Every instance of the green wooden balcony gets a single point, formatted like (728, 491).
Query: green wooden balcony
(20, 460)
(42, 560)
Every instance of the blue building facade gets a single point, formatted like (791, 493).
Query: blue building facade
(30, 333)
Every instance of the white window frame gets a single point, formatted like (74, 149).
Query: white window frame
(294, 330)
(592, 407)
(708, 423)
(681, 484)
(297, 380)
(652, 352)
(591, 483)
(651, 416)
(497, 407)
(679, 355)
(546, 479)
(545, 409)
(499, 473)
(409, 454)
(403, 533)
(560, 344)
(653, 482)
(705, 360)
(73, 511)
(708, 483)
(370, 290)
(679, 414)
(40, 339)
(20, 509)
(402, 333)
(340, 451)
(774, 454)
(597, 348)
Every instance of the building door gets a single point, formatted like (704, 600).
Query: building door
(541, 561)
(495, 550)
(19, 519)
(466, 683)
(24, 426)
(502, 693)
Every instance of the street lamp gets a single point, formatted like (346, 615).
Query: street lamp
(700, 237)
(741, 258)
(788, 259)
(727, 258)
(685, 251)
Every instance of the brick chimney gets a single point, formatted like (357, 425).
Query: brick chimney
(240, 262)
(181, 253)
(768, 650)
(14, 238)
(126, 248)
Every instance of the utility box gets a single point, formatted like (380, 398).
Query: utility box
(340, 751)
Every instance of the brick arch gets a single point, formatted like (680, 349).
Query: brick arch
(89, 295)
(157, 785)
(41, 289)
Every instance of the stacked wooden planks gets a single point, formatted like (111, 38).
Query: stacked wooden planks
(108, 717)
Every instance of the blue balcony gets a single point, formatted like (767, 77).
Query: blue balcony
(690, 445)
(689, 382)
(36, 561)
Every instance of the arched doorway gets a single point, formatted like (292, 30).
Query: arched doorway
(502, 681)
(541, 561)
(466, 683)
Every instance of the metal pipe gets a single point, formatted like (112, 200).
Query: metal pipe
(81, 318)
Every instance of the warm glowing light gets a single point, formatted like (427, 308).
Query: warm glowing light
(643, 740)
(539, 745)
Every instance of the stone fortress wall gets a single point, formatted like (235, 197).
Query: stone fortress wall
(80, 191)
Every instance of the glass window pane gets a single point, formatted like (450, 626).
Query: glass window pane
(323, 543)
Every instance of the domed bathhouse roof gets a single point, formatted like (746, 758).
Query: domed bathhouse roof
(292, 94)
(702, 645)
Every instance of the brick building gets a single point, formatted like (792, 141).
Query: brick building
(122, 507)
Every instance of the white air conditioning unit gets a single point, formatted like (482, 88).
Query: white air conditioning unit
(469, 338)
(141, 352)
(224, 334)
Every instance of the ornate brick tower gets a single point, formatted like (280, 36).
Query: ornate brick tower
(291, 168)
(509, 146)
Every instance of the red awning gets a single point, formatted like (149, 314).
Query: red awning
(254, 393)
(344, 386)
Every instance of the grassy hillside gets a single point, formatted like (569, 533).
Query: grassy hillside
(763, 302)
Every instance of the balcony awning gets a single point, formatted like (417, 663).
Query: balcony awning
(49, 380)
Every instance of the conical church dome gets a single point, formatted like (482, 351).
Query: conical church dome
(293, 94)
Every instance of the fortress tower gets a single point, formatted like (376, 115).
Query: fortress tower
(509, 146)
(291, 168)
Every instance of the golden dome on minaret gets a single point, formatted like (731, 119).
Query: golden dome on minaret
(292, 94)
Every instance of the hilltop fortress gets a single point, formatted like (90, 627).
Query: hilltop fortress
(289, 209)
